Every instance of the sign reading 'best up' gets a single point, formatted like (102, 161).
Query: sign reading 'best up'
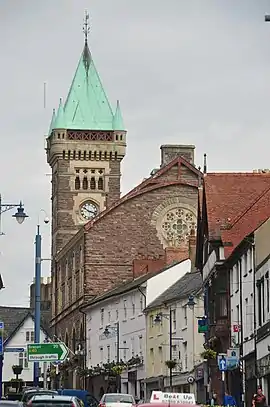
(47, 352)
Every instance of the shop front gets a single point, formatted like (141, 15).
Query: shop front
(201, 383)
(250, 378)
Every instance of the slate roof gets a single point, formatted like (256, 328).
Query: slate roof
(129, 285)
(189, 284)
(13, 318)
(236, 203)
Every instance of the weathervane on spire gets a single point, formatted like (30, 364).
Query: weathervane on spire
(86, 27)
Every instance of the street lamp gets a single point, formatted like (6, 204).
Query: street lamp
(20, 215)
(158, 320)
(107, 332)
(191, 303)
(37, 318)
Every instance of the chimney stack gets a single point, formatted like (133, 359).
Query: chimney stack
(170, 151)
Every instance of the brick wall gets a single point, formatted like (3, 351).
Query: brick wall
(124, 242)
(114, 183)
(130, 235)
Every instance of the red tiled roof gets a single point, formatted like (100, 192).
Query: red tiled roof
(237, 203)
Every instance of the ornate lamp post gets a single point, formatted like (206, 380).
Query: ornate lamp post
(20, 215)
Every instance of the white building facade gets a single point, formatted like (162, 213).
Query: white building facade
(124, 307)
(127, 311)
(21, 338)
(242, 313)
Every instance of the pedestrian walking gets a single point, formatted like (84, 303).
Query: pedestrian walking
(229, 400)
(259, 399)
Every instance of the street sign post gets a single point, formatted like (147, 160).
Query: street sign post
(1, 356)
(47, 352)
(222, 362)
(233, 357)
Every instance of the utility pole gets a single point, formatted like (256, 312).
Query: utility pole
(170, 348)
(37, 300)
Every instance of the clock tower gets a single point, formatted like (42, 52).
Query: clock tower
(85, 146)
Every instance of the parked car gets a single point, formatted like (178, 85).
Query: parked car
(10, 403)
(54, 400)
(114, 399)
(87, 398)
(28, 394)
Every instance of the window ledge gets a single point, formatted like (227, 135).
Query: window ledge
(140, 315)
(124, 320)
(184, 328)
(132, 317)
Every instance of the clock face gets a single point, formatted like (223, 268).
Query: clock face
(88, 210)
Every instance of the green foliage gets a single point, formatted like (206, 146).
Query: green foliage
(170, 364)
(209, 354)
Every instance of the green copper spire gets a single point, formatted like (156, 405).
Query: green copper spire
(87, 106)
(60, 122)
(118, 123)
(52, 123)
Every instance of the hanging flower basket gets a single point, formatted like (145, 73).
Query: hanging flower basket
(209, 354)
(17, 369)
(117, 369)
(171, 364)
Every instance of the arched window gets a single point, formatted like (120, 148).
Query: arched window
(77, 183)
(100, 183)
(93, 183)
(100, 155)
(84, 155)
(115, 155)
(79, 155)
(85, 183)
(110, 155)
(105, 155)
(95, 155)
(64, 154)
(69, 154)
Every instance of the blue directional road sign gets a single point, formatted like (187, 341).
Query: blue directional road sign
(16, 350)
(1, 325)
(222, 362)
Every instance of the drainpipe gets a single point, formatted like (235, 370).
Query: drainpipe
(241, 332)
(85, 347)
(254, 308)
(144, 296)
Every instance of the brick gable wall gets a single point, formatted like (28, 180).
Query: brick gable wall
(120, 245)
(130, 235)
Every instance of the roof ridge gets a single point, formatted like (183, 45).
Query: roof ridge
(138, 188)
(243, 213)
